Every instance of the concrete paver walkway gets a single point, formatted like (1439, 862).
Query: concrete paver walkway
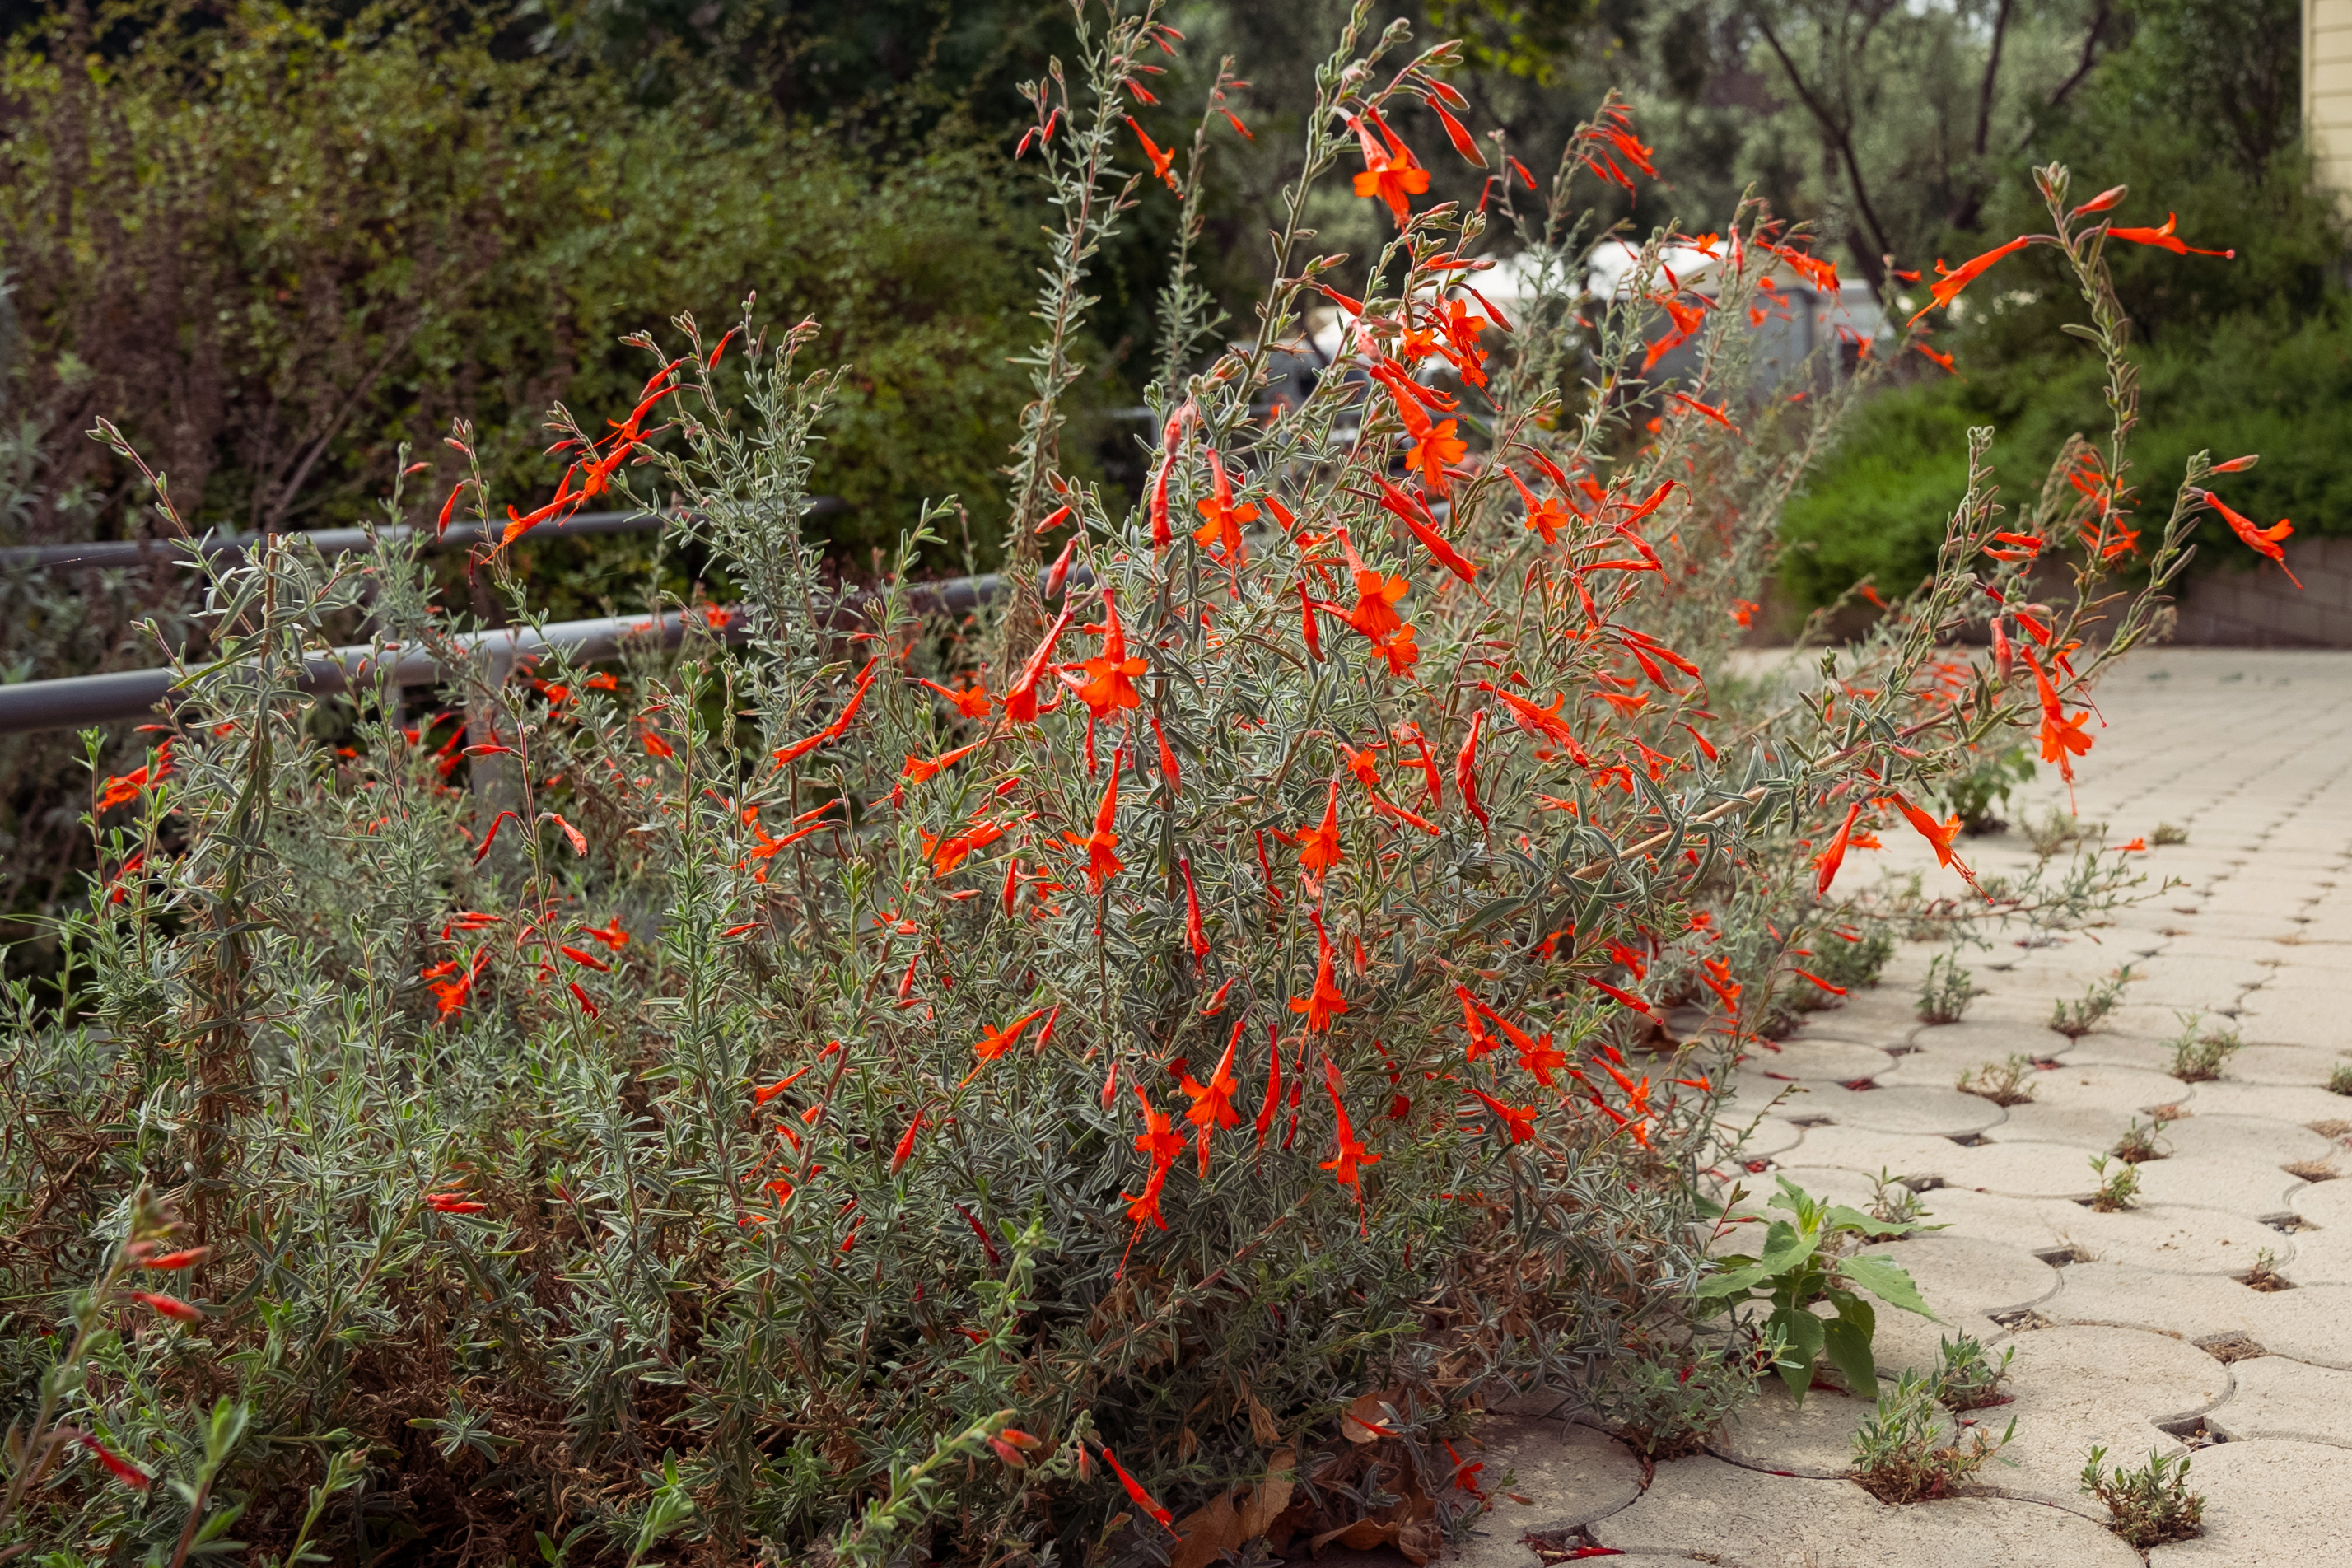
(2134, 1329)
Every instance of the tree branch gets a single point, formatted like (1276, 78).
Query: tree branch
(1986, 90)
(2090, 54)
(1871, 262)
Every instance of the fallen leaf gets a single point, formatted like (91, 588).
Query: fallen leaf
(1271, 1496)
(1207, 1534)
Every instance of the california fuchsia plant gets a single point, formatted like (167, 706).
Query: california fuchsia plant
(899, 1075)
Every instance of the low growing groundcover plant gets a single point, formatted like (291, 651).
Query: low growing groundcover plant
(1139, 1063)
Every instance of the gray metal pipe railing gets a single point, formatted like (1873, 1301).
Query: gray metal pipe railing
(26, 707)
(176, 552)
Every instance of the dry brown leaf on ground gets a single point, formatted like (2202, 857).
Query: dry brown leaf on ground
(1228, 1519)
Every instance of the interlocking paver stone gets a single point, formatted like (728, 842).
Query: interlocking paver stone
(1744, 1519)
(2268, 1504)
(2079, 1386)
(2277, 1397)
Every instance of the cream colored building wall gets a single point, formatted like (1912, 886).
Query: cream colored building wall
(2327, 90)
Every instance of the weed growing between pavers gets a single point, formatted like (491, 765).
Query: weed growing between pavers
(2199, 1051)
(1899, 1452)
(2165, 835)
(2138, 1144)
(1945, 994)
(1967, 1378)
(2265, 1275)
(1803, 1262)
(2339, 1078)
(2119, 1188)
(2079, 1017)
(2149, 1505)
(2005, 1083)
(2055, 830)
(1896, 1204)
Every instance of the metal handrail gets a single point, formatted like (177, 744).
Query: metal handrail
(176, 552)
(30, 705)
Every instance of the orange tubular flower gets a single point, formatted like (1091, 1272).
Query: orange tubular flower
(1375, 612)
(1102, 859)
(1519, 1124)
(1458, 133)
(1323, 1002)
(840, 725)
(1830, 858)
(1465, 773)
(1319, 848)
(920, 770)
(122, 1469)
(1110, 675)
(1222, 534)
(170, 1307)
(1544, 722)
(1196, 936)
(1346, 1166)
(1418, 522)
(1546, 517)
(1212, 1103)
(1390, 173)
(1143, 1500)
(1481, 1042)
(2163, 239)
(1021, 698)
(971, 701)
(1939, 835)
(1433, 450)
(1947, 285)
(2261, 541)
(1161, 161)
(994, 1043)
(1537, 1053)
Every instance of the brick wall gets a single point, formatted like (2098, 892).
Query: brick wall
(2233, 606)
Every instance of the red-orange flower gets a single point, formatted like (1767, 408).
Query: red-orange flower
(1109, 685)
(1161, 160)
(169, 1306)
(1519, 1124)
(2164, 240)
(1212, 1103)
(1222, 534)
(1323, 1002)
(1390, 173)
(1830, 858)
(1021, 697)
(1318, 846)
(1347, 1165)
(1375, 613)
(1102, 844)
(994, 1043)
(2261, 541)
(1434, 447)
(1939, 835)
(1947, 285)
(971, 701)
(122, 1469)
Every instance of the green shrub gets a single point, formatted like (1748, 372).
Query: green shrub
(370, 227)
